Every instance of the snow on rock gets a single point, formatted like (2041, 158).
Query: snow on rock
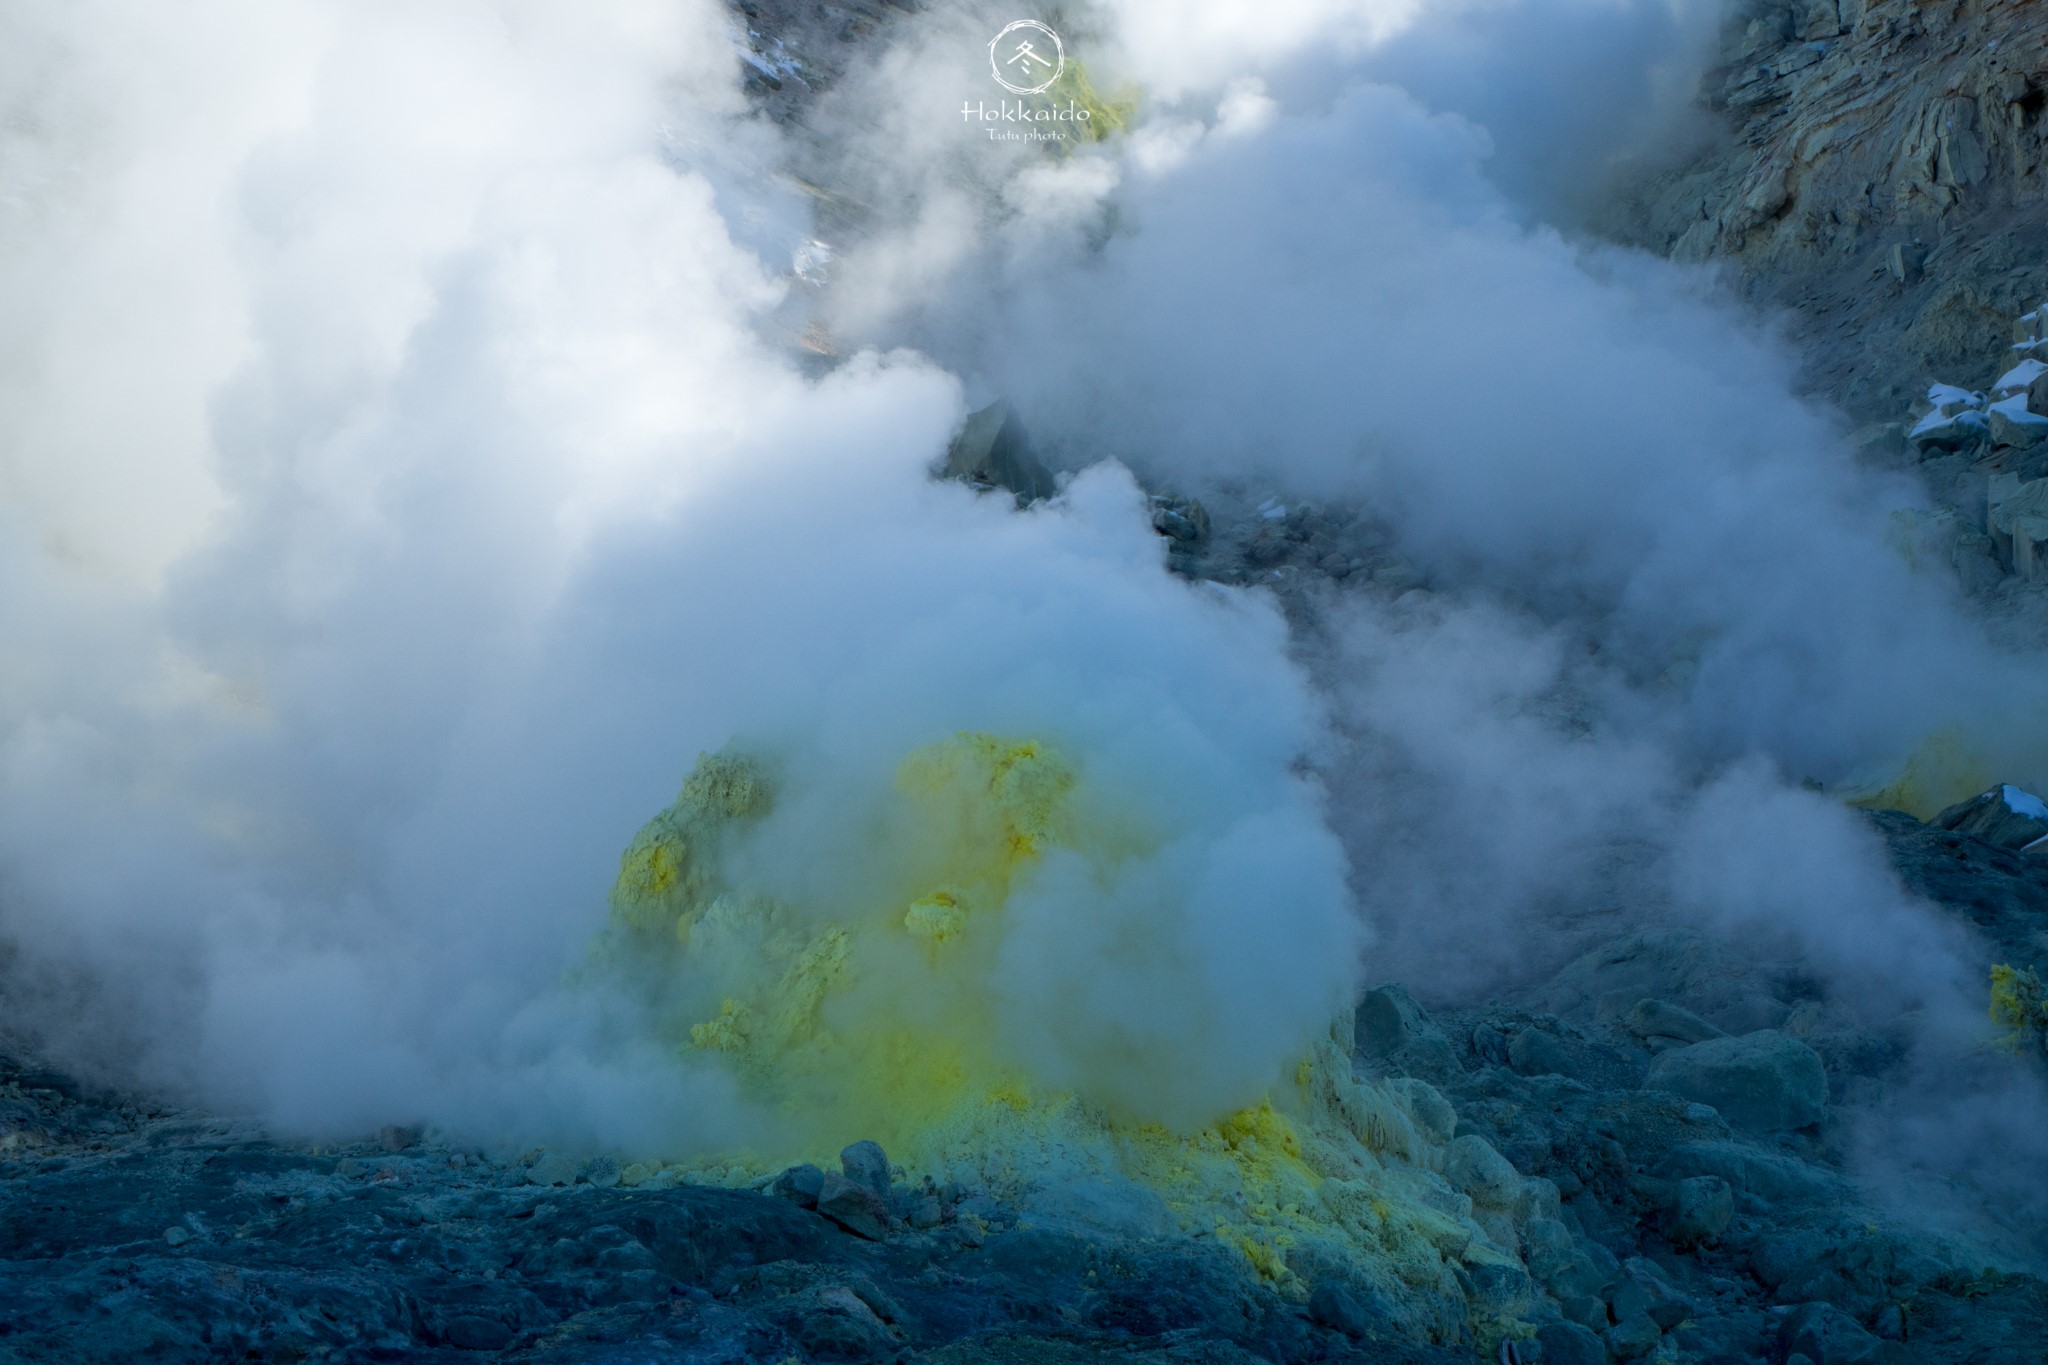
(2020, 376)
(2007, 816)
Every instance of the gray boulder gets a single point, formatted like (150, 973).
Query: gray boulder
(1702, 1207)
(1644, 1289)
(1567, 1343)
(799, 1185)
(1766, 1081)
(1537, 1052)
(1564, 1266)
(1182, 520)
(867, 1165)
(1662, 1025)
(554, 1169)
(1633, 1337)
(1826, 1335)
(854, 1207)
(1474, 1168)
(1394, 1034)
(2012, 425)
(992, 451)
(1764, 1176)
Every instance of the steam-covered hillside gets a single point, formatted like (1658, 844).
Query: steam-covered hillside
(673, 694)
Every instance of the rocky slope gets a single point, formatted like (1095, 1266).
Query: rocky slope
(1878, 170)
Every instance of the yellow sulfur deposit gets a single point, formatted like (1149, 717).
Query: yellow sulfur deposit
(666, 871)
(877, 1016)
(2019, 1006)
(1105, 116)
(1945, 769)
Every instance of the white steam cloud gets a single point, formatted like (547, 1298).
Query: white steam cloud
(1666, 598)
(487, 510)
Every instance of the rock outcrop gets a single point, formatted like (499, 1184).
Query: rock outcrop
(1881, 173)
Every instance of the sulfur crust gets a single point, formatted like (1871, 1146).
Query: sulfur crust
(876, 1022)
(1945, 769)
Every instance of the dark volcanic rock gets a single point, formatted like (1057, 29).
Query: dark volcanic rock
(2005, 816)
(130, 1234)
(1999, 893)
(1764, 1081)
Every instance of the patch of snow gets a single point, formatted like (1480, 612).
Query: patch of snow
(1934, 421)
(1949, 396)
(2020, 376)
(2014, 409)
(2024, 803)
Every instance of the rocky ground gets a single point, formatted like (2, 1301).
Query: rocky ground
(1679, 1106)
(131, 1233)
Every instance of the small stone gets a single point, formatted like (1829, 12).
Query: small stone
(348, 1168)
(926, 1213)
(799, 1185)
(867, 1165)
(603, 1172)
(1907, 262)
(553, 1169)
(177, 1237)
(854, 1207)
(636, 1174)
(1180, 519)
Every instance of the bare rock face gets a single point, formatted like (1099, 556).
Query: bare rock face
(1882, 174)
(2005, 816)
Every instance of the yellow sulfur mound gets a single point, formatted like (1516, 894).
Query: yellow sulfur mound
(878, 1015)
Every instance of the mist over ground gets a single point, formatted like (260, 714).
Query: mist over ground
(408, 473)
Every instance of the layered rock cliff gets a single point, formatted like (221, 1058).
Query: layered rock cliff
(1879, 172)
